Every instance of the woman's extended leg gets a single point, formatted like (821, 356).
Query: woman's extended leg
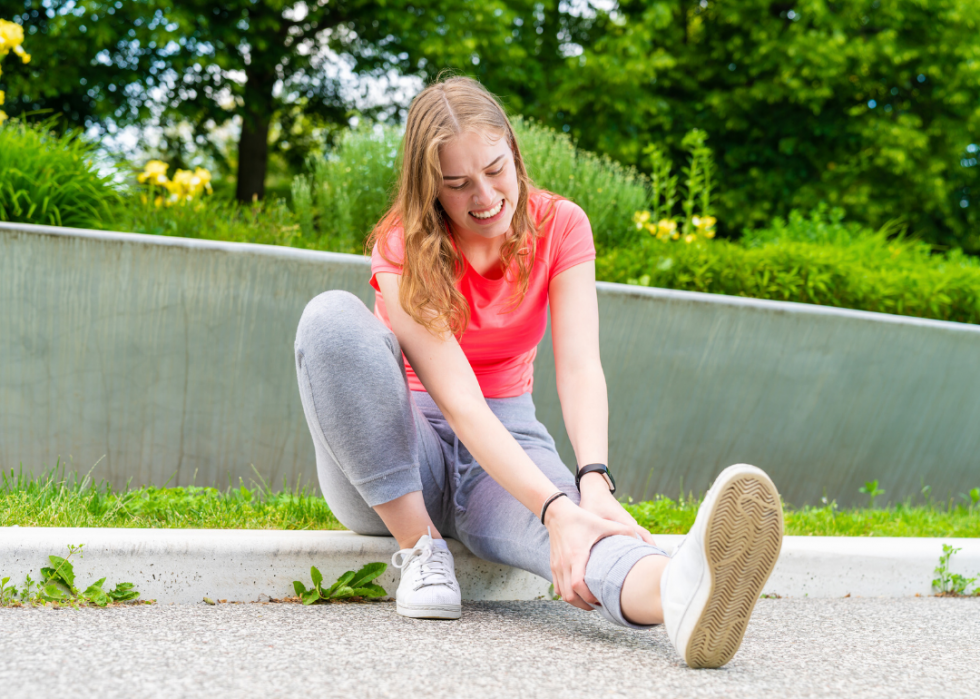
(373, 447)
(495, 526)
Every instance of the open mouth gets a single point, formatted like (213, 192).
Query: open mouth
(489, 214)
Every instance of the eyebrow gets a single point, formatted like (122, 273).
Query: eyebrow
(460, 177)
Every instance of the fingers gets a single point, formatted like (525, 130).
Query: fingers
(584, 593)
(571, 588)
(645, 535)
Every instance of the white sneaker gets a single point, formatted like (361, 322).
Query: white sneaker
(712, 582)
(428, 588)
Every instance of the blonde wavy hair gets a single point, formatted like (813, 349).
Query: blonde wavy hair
(432, 264)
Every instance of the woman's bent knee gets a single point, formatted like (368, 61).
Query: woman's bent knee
(336, 324)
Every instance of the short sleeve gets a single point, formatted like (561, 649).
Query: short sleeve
(394, 247)
(572, 237)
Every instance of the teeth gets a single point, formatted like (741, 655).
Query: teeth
(491, 213)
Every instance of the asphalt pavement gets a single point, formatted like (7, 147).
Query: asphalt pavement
(857, 647)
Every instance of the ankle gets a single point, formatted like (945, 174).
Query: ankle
(407, 540)
(640, 597)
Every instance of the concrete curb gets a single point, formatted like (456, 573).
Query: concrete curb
(182, 566)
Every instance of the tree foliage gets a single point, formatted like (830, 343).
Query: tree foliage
(868, 105)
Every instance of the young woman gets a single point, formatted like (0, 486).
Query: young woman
(443, 441)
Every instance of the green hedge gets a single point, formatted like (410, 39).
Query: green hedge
(51, 179)
(813, 260)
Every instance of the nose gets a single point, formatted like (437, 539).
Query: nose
(485, 195)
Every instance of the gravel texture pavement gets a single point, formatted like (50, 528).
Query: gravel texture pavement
(858, 647)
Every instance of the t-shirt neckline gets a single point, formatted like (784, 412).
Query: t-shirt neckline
(469, 268)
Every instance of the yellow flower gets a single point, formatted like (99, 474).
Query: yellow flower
(690, 238)
(3, 116)
(11, 38)
(155, 171)
(666, 228)
(706, 222)
(187, 184)
(709, 234)
(2, 95)
(641, 216)
(675, 235)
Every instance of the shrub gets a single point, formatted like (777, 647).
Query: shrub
(811, 260)
(602, 187)
(210, 218)
(347, 190)
(51, 179)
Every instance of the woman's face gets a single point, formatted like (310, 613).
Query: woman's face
(479, 184)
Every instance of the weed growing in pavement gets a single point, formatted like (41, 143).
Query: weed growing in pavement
(951, 584)
(57, 587)
(349, 586)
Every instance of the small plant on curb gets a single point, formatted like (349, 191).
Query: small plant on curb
(349, 586)
(951, 584)
(57, 587)
(871, 489)
(973, 498)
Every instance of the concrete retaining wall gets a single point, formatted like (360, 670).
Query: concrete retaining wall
(162, 358)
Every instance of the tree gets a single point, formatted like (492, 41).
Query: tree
(197, 61)
(84, 58)
(867, 105)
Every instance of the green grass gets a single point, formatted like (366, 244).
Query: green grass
(56, 500)
(929, 519)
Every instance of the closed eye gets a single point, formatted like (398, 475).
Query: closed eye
(491, 174)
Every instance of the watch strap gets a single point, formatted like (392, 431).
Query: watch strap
(595, 468)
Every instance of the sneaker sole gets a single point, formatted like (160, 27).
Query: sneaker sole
(742, 539)
(429, 611)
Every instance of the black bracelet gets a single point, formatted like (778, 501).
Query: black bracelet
(544, 508)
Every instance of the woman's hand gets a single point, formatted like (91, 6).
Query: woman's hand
(573, 531)
(597, 499)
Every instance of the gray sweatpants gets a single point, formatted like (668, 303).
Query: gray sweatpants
(376, 440)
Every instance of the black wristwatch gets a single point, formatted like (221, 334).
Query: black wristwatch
(596, 468)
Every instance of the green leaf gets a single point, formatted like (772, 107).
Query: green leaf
(299, 587)
(317, 577)
(123, 592)
(310, 596)
(368, 573)
(54, 591)
(95, 594)
(343, 592)
(342, 581)
(370, 590)
(61, 570)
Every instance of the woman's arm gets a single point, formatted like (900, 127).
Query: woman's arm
(447, 375)
(582, 385)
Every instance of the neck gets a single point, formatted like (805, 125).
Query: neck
(483, 254)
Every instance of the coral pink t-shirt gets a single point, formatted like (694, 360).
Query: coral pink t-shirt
(499, 345)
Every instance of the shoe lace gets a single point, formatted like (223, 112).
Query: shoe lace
(436, 566)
